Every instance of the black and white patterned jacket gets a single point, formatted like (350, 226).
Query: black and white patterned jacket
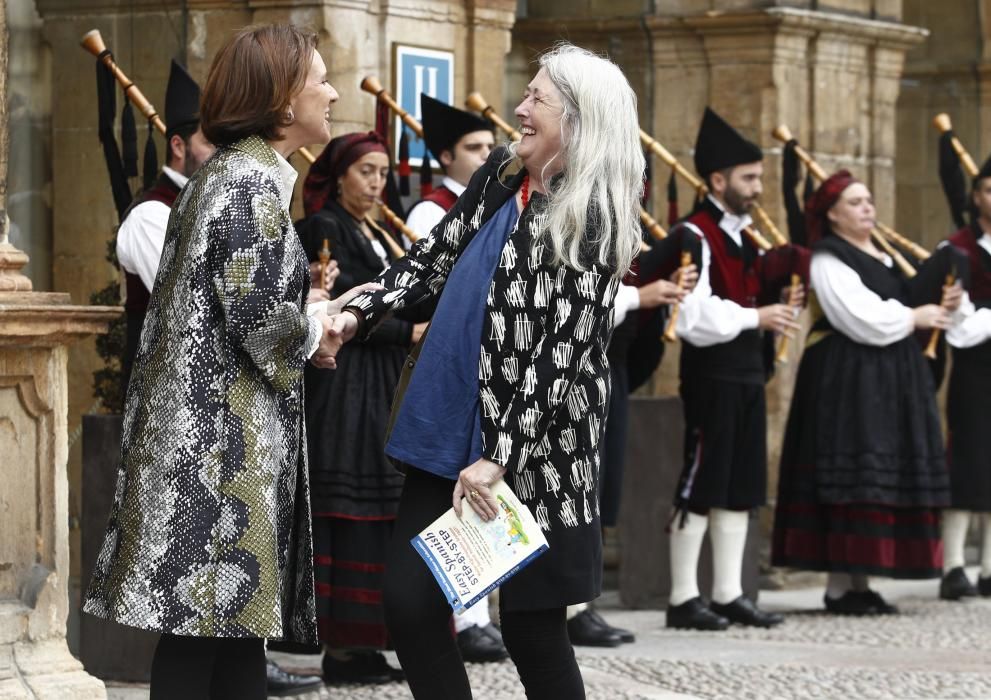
(543, 375)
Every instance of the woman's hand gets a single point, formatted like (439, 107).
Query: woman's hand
(338, 326)
(931, 316)
(316, 294)
(474, 482)
(952, 296)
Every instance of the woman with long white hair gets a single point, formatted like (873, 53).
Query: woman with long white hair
(512, 380)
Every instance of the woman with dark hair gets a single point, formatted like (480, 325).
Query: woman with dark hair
(863, 472)
(354, 488)
(209, 538)
(512, 380)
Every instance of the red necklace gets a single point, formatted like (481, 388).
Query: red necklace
(525, 192)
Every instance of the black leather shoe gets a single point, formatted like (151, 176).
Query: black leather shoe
(282, 684)
(585, 632)
(481, 644)
(625, 636)
(955, 585)
(743, 611)
(362, 666)
(850, 603)
(879, 604)
(694, 614)
(984, 586)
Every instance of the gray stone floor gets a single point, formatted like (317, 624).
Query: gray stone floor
(934, 649)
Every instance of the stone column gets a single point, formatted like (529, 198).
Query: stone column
(35, 330)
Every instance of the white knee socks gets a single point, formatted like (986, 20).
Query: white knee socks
(954, 527)
(728, 532)
(837, 584)
(986, 546)
(686, 543)
(576, 609)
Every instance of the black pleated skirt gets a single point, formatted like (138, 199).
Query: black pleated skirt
(349, 564)
(863, 471)
(347, 412)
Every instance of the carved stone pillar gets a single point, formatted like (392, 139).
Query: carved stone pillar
(35, 330)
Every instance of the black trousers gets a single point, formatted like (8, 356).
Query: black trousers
(208, 668)
(418, 616)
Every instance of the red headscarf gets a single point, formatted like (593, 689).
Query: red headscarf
(333, 162)
(816, 223)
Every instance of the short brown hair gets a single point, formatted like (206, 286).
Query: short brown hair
(252, 80)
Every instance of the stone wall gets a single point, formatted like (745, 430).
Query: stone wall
(951, 73)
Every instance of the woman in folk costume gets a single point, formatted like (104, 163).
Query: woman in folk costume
(354, 487)
(513, 369)
(863, 472)
(209, 538)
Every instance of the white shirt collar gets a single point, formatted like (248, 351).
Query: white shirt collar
(178, 178)
(730, 222)
(453, 185)
(288, 175)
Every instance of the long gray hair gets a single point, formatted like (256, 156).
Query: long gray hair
(602, 179)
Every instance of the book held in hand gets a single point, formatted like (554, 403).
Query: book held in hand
(470, 557)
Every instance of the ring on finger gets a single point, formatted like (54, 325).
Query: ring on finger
(473, 494)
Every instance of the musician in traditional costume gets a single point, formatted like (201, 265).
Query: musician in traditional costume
(461, 142)
(863, 472)
(723, 371)
(354, 488)
(141, 234)
(968, 452)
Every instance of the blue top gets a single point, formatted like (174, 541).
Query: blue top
(439, 426)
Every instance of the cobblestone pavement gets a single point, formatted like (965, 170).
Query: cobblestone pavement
(934, 649)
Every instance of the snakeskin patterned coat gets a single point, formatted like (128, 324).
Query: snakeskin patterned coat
(543, 376)
(210, 532)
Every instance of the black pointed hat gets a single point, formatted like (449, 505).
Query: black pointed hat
(984, 172)
(444, 125)
(182, 100)
(719, 146)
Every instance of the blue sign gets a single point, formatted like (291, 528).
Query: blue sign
(418, 71)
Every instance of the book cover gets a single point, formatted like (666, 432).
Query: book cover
(470, 557)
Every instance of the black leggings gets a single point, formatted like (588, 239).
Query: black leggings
(418, 616)
(208, 668)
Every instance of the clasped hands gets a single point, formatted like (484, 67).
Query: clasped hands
(339, 326)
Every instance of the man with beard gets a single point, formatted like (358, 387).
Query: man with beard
(723, 370)
(139, 249)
